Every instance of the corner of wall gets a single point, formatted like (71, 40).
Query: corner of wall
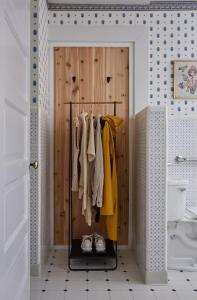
(39, 197)
(156, 277)
(156, 222)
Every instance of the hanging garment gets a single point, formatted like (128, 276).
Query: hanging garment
(91, 157)
(91, 142)
(83, 160)
(75, 167)
(110, 190)
(98, 172)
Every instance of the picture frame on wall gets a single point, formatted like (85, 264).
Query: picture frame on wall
(185, 79)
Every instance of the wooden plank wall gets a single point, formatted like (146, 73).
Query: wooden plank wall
(80, 75)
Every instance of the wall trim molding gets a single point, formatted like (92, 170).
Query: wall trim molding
(135, 38)
(153, 6)
(156, 277)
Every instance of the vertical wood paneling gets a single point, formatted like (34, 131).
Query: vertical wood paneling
(110, 71)
(121, 92)
(72, 82)
(99, 78)
(71, 72)
(59, 172)
(86, 85)
(81, 75)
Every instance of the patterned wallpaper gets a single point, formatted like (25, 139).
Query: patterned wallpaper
(156, 190)
(171, 36)
(34, 192)
(150, 192)
(182, 140)
(43, 56)
(39, 195)
(34, 180)
(155, 5)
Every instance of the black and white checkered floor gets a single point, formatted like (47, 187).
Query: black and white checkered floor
(57, 283)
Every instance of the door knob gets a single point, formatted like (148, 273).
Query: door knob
(34, 164)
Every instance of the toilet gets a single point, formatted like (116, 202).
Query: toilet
(182, 228)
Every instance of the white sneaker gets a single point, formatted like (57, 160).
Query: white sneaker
(99, 243)
(86, 244)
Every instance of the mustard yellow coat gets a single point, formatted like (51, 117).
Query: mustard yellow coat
(110, 189)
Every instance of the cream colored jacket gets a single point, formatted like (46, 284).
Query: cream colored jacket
(87, 155)
(83, 160)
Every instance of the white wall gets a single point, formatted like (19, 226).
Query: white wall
(140, 204)
(150, 170)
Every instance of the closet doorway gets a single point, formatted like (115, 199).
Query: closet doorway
(89, 74)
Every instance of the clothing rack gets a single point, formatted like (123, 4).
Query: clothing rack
(74, 245)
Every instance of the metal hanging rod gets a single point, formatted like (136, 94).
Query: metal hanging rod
(98, 102)
(180, 158)
(74, 249)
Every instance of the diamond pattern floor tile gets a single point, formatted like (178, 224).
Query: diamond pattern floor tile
(58, 283)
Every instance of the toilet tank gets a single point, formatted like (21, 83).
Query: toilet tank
(176, 199)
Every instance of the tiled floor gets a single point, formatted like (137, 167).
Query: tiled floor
(56, 283)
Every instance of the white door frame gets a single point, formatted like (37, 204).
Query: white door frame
(133, 37)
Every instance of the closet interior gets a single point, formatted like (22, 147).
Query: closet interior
(93, 80)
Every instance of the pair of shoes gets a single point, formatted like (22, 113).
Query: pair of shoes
(87, 243)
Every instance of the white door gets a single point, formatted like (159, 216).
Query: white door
(14, 149)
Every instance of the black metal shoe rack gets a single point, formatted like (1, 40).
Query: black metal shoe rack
(74, 245)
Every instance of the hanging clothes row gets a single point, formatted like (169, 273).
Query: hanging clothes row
(94, 174)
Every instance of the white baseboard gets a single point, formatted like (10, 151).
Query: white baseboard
(45, 251)
(35, 270)
(156, 277)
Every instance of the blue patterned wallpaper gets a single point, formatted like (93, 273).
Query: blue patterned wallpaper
(39, 133)
(172, 36)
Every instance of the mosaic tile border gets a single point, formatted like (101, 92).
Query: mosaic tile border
(153, 6)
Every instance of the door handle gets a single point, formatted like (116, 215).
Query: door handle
(34, 164)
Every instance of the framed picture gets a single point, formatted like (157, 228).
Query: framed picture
(185, 79)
